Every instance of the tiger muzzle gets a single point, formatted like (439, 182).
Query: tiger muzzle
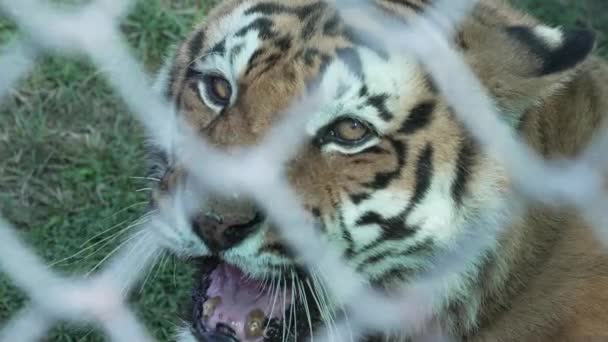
(226, 223)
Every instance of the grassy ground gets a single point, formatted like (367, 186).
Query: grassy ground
(69, 153)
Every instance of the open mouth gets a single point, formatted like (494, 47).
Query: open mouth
(230, 306)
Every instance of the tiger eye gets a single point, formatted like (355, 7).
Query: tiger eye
(350, 130)
(218, 90)
(221, 87)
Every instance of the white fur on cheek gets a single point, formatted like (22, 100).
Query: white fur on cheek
(435, 215)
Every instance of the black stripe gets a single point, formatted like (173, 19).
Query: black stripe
(383, 179)
(424, 247)
(323, 64)
(424, 172)
(363, 91)
(374, 150)
(283, 43)
(351, 58)
(219, 48)
(431, 85)
(262, 25)
(191, 81)
(309, 56)
(332, 25)
(173, 75)
(399, 272)
(271, 8)
(393, 228)
(309, 29)
(270, 62)
(277, 249)
(418, 118)
(362, 162)
(235, 51)
(350, 243)
(464, 163)
(358, 197)
(414, 7)
(379, 102)
(251, 64)
(347, 237)
(196, 45)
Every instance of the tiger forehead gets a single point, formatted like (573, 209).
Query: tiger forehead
(254, 37)
(285, 23)
(228, 15)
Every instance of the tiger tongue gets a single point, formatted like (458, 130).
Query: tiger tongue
(237, 302)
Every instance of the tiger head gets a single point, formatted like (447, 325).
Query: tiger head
(387, 170)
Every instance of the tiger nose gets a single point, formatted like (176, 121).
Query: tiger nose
(222, 231)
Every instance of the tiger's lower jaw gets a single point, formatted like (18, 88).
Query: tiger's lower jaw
(230, 306)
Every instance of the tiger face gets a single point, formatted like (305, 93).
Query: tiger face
(387, 170)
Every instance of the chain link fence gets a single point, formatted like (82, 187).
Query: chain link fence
(99, 300)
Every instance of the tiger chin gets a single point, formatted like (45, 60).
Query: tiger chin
(387, 171)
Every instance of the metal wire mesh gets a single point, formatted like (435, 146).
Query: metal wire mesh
(92, 30)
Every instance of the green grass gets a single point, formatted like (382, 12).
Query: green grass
(69, 150)
(68, 153)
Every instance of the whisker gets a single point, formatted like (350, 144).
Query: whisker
(146, 178)
(284, 291)
(120, 211)
(321, 309)
(261, 287)
(291, 309)
(141, 219)
(174, 270)
(155, 266)
(103, 232)
(270, 292)
(325, 299)
(306, 309)
(164, 261)
(103, 242)
(145, 239)
(347, 320)
(135, 235)
(274, 298)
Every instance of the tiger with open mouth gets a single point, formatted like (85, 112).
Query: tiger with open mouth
(388, 172)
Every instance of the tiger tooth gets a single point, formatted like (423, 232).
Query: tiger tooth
(210, 306)
(254, 328)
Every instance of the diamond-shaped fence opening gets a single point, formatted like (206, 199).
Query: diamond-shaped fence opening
(99, 300)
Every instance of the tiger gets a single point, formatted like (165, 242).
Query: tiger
(388, 171)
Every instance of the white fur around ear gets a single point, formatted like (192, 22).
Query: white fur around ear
(557, 50)
(552, 37)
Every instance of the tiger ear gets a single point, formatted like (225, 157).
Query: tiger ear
(556, 50)
(534, 62)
